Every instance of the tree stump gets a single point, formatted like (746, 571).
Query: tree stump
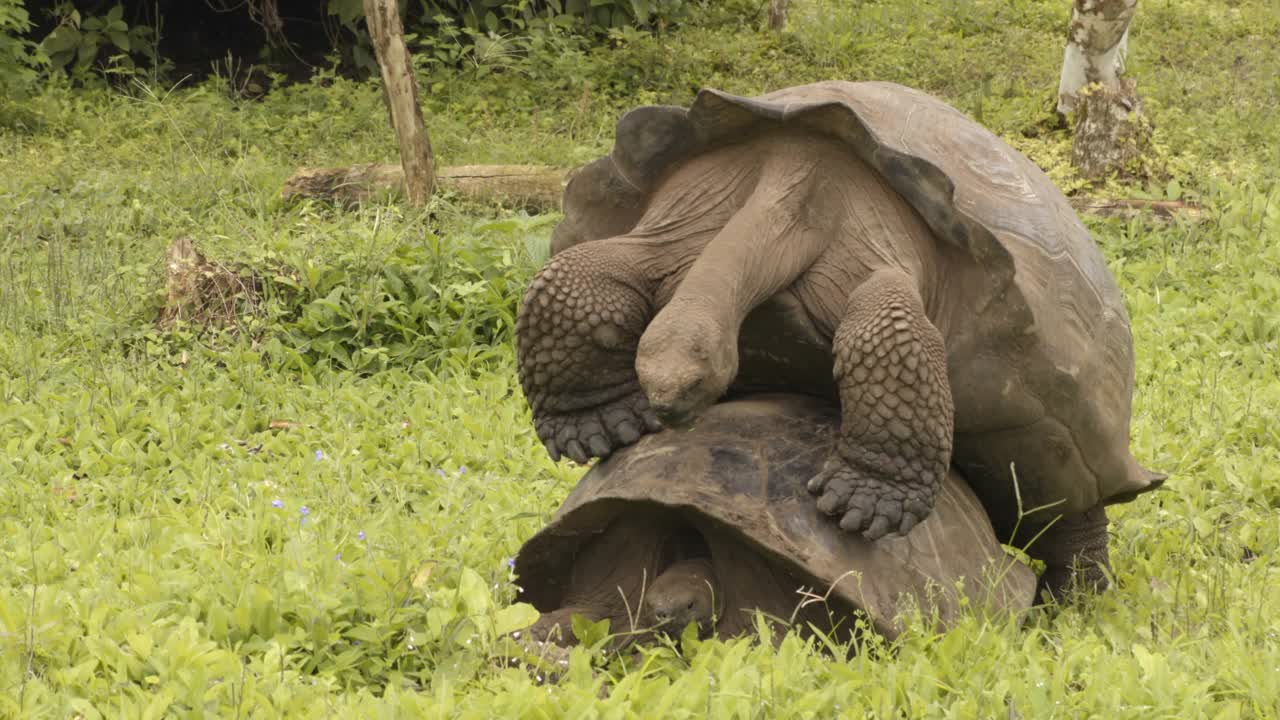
(1111, 134)
(201, 292)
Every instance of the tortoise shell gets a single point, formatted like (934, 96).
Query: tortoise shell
(737, 479)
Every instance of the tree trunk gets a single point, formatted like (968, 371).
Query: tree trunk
(778, 14)
(1110, 134)
(1096, 47)
(401, 93)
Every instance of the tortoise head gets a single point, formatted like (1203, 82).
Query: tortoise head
(686, 360)
(684, 593)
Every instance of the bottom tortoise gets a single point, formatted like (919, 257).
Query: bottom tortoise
(714, 523)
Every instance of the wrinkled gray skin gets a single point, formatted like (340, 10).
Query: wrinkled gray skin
(627, 370)
(856, 240)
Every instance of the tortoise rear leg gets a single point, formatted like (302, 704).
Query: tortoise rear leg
(1075, 553)
(581, 319)
(897, 416)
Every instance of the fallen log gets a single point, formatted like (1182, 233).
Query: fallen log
(1131, 207)
(533, 187)
(538, 188)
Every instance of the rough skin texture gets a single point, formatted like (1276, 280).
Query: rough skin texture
(895, 443)
(685, 361)
(602, 360)
(685, 592)
(1074, 551)
(582, 317)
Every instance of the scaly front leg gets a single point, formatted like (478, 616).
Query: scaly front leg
(897, 416)
(576, 338)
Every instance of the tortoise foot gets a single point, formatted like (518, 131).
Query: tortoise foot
(868, 504)
(576, 337)
(897, 414)
(596, 431)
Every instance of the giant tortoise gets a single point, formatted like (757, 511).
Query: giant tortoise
(863, 242)
(714, 524)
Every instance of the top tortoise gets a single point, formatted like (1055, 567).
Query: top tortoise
(857, 240)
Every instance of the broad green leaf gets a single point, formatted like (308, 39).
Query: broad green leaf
(589, 633)
(514, 617)
(473, 593)
(88, 49)
(63, 38)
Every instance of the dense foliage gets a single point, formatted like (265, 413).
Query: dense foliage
(92, 40)
(309, 511)
(18, 59)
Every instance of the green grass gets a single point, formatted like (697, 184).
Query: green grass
(146, 571)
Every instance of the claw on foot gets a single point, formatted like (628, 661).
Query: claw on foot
(866, 504)
(595, 432)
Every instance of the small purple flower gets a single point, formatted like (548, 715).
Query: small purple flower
(440, 472)
(360, 535)
(338, 557)
(319, 455)
(304, 510)
(277, 503)
(462, 470)
(511, 563)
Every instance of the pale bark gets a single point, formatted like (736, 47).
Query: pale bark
(401, 93)
(778, 14)
(1096, 47)
(530, 186)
